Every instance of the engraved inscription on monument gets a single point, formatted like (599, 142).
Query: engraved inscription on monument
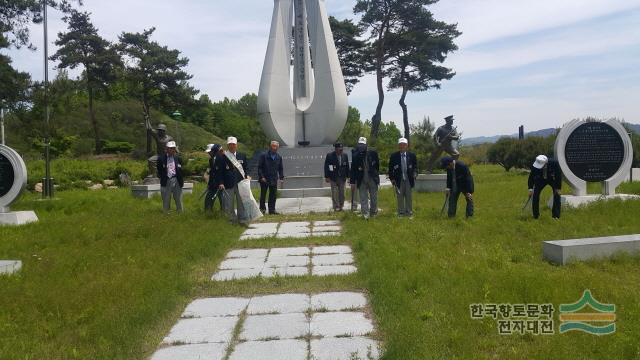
(7, 176)
(594, 151)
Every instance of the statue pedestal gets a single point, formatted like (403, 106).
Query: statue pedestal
(431, 183)
(149, 191)
(18, 217)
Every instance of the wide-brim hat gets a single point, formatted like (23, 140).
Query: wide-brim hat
(171, 145)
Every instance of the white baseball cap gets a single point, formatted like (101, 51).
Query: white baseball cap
(232, 140)
(403, 141)
(209, 147)
(171, 144)
(362, 140)
(540, 162)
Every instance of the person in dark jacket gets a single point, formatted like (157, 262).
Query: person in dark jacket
(459, 181)
(403, 170)
(365, 174)
(169, 168)
(270, 172)
(336, 172)
(545, 171)
(213, 150)
(231, 169)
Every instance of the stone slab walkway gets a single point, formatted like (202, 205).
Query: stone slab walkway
(290, 261)
(327, 326)
(293, 206)
(299, 229)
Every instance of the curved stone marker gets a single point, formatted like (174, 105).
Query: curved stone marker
(13, 180)
(594, 151)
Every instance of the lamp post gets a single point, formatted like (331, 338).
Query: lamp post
(176, 116)
(47, 182)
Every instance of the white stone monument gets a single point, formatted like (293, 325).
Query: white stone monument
(317, 111)
(13, 180)
(594, 151)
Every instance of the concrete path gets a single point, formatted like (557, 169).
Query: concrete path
(300, 229)
(292, 261)
(284, 326)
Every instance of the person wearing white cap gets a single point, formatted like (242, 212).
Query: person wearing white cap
(403, 171)
(169, 168)
(230, 170)
(365, 175)
(545, 171)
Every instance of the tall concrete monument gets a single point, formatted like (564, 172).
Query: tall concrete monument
(316, 112)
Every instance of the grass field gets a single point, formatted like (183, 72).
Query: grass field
(105, 276)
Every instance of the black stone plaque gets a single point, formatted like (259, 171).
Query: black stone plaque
(7, 176)
(594, 151)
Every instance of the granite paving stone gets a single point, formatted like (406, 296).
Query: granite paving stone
(347, 348)
(278, 327)
(338, 301)
(271, 350)
(338, 324)
(202, 330)
(213, 351)
(281, 304)
(215, 307)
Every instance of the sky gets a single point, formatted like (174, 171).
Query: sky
(534, 63)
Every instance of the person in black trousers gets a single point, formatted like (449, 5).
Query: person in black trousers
(336, 172)
(459, 181)
(213, 150)
(545, 171)
(270, 172)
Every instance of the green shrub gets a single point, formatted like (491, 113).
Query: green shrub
(117, 147)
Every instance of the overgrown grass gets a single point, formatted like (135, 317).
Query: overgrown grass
(106, 276)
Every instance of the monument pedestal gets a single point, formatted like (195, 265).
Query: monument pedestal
(431, 183)
(149, 191)
(17, 217)
(574, 201)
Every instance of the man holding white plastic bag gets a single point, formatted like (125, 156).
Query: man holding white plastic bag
(232, 177)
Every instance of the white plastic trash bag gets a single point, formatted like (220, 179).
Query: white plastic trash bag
(248, 201)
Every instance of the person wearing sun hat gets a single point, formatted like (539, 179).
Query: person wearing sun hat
(545, 171)
(169, 168)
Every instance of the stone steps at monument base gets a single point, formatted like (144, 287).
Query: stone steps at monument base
(304, 192)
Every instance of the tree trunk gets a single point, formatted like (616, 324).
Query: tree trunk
(377, 117)
(94, 123)
(405, 114)
(147, 119)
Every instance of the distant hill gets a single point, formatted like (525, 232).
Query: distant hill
(120, 121)
(540, 133)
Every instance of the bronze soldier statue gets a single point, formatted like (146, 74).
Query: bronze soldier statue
(162, 138)
(444, 140)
